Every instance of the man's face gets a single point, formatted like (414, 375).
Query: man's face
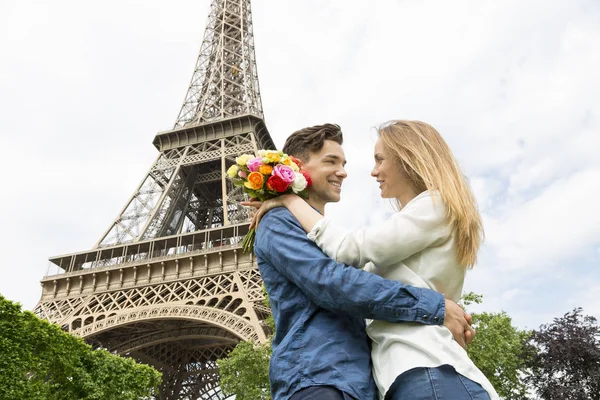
(326, 170)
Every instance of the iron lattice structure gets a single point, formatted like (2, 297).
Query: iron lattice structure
(167, 283)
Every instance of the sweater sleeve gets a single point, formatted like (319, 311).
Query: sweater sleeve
(419, 225)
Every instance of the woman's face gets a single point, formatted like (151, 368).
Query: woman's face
(393, 180)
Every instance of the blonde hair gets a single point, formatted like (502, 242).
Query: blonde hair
(420, 150)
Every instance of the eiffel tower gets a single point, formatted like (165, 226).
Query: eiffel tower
(168, 283)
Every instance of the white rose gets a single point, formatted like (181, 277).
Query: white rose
(299, 183)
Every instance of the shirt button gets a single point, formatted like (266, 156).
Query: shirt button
(425, 316)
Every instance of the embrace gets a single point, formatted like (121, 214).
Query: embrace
(371, 313)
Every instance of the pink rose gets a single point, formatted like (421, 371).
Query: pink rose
(242, 174)
(285, 173)
(254, 164)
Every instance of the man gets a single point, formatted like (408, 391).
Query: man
(320, 348)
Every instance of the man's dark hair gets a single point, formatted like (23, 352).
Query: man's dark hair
(310, 140)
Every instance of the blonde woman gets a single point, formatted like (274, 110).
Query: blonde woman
(430, 243)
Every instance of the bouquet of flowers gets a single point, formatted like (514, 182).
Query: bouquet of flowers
(270, 174)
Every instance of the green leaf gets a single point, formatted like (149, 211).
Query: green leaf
(40, 361)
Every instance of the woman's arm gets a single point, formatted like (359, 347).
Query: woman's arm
(407, 232)
(419, 225)
(304, 213)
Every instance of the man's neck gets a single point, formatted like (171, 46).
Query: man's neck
(317, 205)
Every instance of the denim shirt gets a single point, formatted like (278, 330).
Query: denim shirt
(319, 307)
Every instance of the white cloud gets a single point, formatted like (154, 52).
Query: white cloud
(587, 298)
(561, 220)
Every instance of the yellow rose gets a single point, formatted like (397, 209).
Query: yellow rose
(265, 169)
(274, 157)
(233, 171)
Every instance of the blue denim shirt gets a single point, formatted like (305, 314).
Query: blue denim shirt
(319, 307)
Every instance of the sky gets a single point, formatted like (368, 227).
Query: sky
(512, 86)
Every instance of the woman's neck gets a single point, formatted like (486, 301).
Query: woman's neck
(406, 197)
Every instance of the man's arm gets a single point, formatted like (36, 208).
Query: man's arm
(283, 243)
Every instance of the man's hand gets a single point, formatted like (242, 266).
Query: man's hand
(470, 332)
(459, 323)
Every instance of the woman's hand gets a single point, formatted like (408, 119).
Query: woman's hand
(262, 207)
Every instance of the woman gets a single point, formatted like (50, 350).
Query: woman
(430, 242)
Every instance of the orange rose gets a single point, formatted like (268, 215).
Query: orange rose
(255, 181)
(265, 169)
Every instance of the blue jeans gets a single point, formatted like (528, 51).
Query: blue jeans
(320, 393)
(441, 383)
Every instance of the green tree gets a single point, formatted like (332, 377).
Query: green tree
(40, 361)
(245, 371)
(498, 350)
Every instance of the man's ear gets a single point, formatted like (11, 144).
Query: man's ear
(297, 161)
